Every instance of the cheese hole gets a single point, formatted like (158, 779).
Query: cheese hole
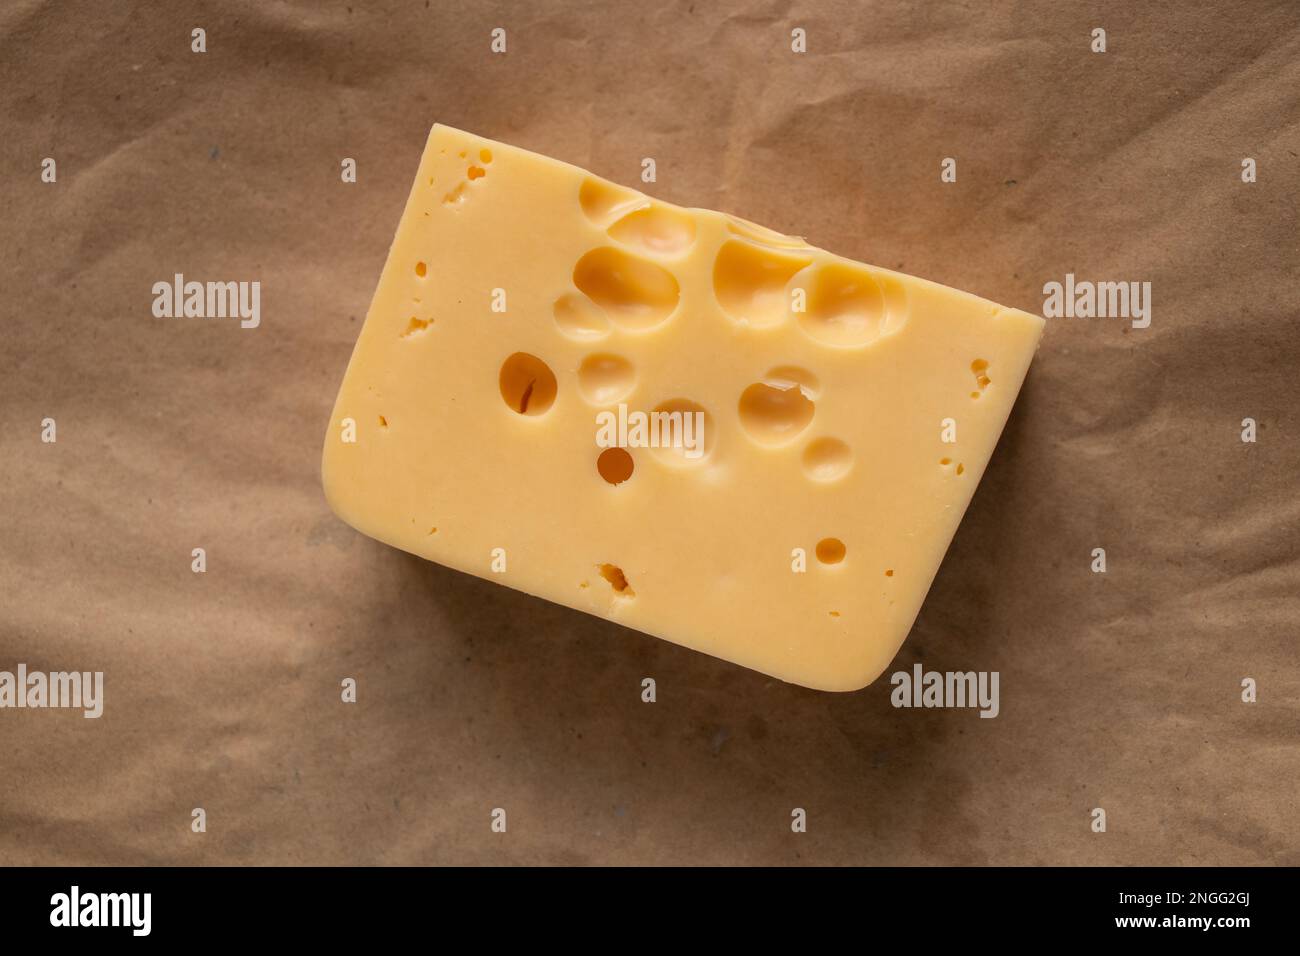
(960, 469)
(527, 384)
(383, 422)
(615, 465)
(617, 579)
(685, 430)
(477, 172)
(896, 305)
(580, 318)
(979, 368)
(656, 229)
(889, 573)
(635, 293)
(750, 282)
(602, 202)
(604, 379)
(845, 307)
(827, 459)
(421, 269)
(774, 416)
(945, 461)
(830, 550)
(415, 326)
(485, 156)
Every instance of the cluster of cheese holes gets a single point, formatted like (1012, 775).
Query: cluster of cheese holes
(979, 368)
(775, 411)
(456, 195)
(945, 462)
(605, 379)
(473, 172)
(751, 285)
(477, 172)
(837, 305)
(619, 287)
(755, 280)
(616, 465)
(843, 307)
(633, 219)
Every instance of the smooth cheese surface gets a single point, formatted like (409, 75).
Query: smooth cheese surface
(523, 296)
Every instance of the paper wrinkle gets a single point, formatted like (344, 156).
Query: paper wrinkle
(222, 690)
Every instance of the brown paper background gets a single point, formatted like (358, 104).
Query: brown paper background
(222, 689)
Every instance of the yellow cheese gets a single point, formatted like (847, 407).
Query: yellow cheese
(529, 311)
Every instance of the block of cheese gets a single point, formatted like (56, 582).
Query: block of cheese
(671, 418)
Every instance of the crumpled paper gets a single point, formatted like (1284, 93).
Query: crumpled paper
(222, 692)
